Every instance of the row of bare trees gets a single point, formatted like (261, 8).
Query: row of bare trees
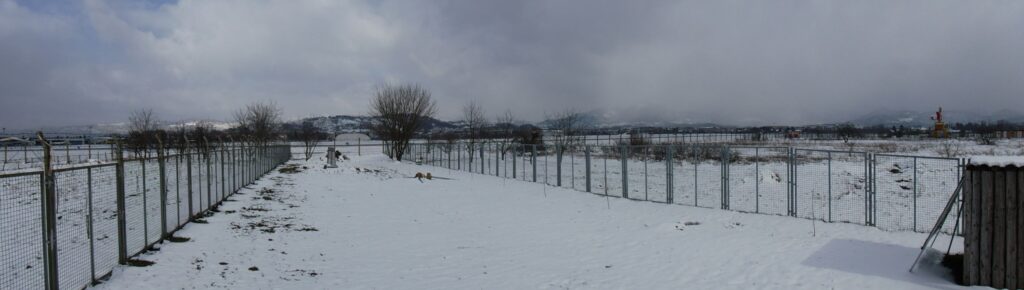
(257, 125)
(399, 112)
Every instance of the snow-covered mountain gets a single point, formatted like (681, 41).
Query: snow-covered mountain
(345, 123)
(122, 127)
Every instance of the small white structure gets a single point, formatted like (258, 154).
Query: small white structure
(332, 158)
(351, 138)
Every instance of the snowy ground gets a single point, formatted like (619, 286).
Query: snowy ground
(375, 227)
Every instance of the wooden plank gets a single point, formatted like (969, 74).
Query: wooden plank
(1020, 231)
(999, 228)
(975, 266)
(1011, 229)
(968, 196)
(985, 253)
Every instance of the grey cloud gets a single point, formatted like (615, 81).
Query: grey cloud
(734, 62)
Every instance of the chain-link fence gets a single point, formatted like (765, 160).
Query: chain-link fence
(891, 192)
(67, 228)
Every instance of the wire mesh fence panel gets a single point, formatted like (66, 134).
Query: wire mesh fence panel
(744, 179)
(134, 206)
(652, 167)
(21, 241)
(660, 174)
(152, 200)
(771, 165)
(684, 175)
(709, 176)
(225, 189)
(215, 175)
(494, 159)
(894, 192)
(209, 176)
(848, 183)
(171, 184)
(936, 180)
(181, 187)
(525, 164)
(611, 169)
(567, 166)
(812, 185)
(73, 243)
(577, 167)
(104, 219)
(198, 183)
(549, 171)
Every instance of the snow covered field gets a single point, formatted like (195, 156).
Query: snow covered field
(369, 225)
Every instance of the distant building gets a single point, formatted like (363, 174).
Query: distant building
(351, 138)
(1010, 134)
(15, 141)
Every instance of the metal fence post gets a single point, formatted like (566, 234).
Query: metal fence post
(829, 186)
(558, 164)
(161, 159)
(791, 182)
(234, 167)
(48, 211)
(188, 174)
(572, 167)
(209, 174)
(88, 225)
(625, 173)
(145, 205)
(725, 176)
(586, 154)
(646, 148)
(696, 187)
(514, 167)
(869, 172)
(223, 172)
(534, 163)
(757, 180)
(605, 159)
(122, 227)
(669, 175)
(914, 196)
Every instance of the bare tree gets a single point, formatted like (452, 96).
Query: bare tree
(473, 116)
(567, 126)
(505, 131)
(178, 140)
(259, 122)
(310, 136)
(201, 134)
(142, 121)
(398, 112)
(142, 130)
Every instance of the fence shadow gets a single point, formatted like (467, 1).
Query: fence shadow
(879, 260)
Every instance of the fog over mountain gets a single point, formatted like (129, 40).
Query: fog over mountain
(79, 62)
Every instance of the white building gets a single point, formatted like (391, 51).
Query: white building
(351, 138)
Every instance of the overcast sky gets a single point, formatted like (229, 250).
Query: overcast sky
(71, 62)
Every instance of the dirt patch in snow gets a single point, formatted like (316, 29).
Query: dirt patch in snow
(291, 168)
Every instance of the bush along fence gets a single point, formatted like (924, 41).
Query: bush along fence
(67, 228)
(891, 192)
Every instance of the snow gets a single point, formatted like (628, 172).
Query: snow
(998, 161)
(369, 225)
